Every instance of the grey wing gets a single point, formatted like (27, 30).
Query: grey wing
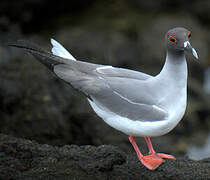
(107, 88)
(107, 93)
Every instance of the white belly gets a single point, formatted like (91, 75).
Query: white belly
(139, 128)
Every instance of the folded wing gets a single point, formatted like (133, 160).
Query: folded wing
(118, 90)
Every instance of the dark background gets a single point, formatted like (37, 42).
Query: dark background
(35, 105)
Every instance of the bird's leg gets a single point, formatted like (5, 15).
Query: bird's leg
(150, 161)
(132, 140)
(149, 144)
(152, 151)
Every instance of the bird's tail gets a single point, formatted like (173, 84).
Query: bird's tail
(59, 50)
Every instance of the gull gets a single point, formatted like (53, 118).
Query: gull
(135, 103)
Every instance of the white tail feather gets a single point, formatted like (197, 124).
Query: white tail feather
(59, 50)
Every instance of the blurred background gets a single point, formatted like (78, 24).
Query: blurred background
(35, 105)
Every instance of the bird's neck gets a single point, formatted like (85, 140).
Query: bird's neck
(175, 69)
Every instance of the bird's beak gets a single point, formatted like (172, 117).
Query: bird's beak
(188, 47)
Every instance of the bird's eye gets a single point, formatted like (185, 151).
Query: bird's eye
(189, 35)
(172, 39)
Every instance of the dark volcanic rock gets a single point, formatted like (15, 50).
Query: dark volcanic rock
(24, 159)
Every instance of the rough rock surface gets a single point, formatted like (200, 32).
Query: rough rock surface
(25, 159)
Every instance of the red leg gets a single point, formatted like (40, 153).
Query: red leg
(151, 150)
(151, 161)
(132, 140)
(149, 144)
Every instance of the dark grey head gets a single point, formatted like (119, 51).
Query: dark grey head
(177, 41)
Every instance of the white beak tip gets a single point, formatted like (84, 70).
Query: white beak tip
(194, 53)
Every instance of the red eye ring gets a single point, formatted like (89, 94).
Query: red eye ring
(172, 39)
(189, 35)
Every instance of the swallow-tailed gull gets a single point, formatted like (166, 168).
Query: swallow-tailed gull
(135, 103)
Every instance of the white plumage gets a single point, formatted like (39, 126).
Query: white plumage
(59, 50)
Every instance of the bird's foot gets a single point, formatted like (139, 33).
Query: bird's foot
(166, 156)
(151, 161)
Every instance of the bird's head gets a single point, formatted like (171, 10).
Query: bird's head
(178, 40)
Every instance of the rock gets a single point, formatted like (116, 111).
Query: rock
(25, 159)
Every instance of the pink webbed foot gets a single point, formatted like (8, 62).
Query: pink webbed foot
(166, 156)
(151, 161)
(161, 155)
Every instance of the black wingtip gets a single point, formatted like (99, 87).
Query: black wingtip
(18, 43)
(25, 44)
(13, 44)
(45, 57)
